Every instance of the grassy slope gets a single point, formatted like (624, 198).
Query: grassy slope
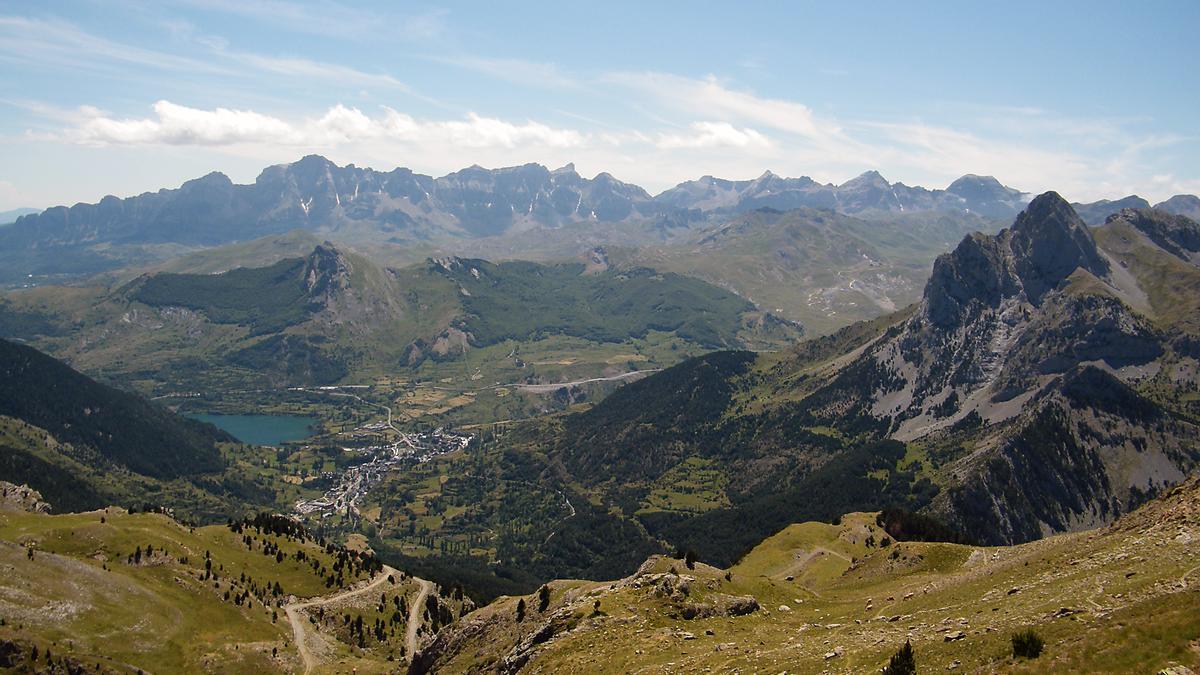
(823, 269)
(1131, 592)
(262, 327)
(168, 619)
(80, 590)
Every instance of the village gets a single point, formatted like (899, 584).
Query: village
(357, 480)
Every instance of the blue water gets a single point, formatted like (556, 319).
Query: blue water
(262, 429)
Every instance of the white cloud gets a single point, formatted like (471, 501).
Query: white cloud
(174, 124)
(315, 70)
(714, 135)
(51, 43)
(179, 125)
(711, 96)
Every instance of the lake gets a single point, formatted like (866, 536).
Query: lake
(262, 429)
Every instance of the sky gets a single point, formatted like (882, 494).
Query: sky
(1092, 99)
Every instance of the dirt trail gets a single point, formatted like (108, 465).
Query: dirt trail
(414, 618)
(298, 621)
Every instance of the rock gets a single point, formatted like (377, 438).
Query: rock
(687, 636)
(954, 665)
(956, 635)
(719, 605)
(837, 651)
(784, 608)
(21, 498)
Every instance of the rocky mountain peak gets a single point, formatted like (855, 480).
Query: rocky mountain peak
(1049, 241)
(867, 179)
(976, 271)
(971, 186)
(1045, 245)
(326, 269)
(210, 180)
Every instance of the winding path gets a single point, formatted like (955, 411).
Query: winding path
(414, 618)
(298, 621)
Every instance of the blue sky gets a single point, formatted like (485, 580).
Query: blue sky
(1091, 99)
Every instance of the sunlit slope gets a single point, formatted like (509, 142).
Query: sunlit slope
(843, 598)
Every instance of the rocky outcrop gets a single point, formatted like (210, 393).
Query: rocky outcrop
(21, 498)
(1033, 337)
(868, 193)
(1048, 242)
(1085, 451)
(1176, 234)
(665, 594)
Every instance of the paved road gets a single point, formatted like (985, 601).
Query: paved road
(546, 388)
(300, 623)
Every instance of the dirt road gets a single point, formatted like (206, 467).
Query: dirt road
(414, 617)
(300, 623)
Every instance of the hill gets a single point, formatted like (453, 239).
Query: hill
(262, 594)
(819, 267)
(1097, 212)
(458, 328)
(1043, 384)
(255, 595)
(817, 597)
(84, 445)
(121, 428)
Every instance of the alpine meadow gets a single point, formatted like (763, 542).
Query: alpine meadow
(549, 338)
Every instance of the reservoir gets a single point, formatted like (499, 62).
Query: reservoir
(262, 429)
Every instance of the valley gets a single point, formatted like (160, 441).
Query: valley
(587, 338)
(650, 421)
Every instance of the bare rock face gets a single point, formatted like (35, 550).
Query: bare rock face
(999, 313)
(1045, 245)
(1085, 450)
(1048, 242)
(1028, 337)
(21, 498)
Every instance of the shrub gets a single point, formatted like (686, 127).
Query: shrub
(902, 662)
(1027, 644)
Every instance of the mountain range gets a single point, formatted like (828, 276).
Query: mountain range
(329, 315)
(361, 205)
(1042, 384)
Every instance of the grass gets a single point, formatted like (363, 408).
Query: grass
(78, 591)
(1126, 608)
